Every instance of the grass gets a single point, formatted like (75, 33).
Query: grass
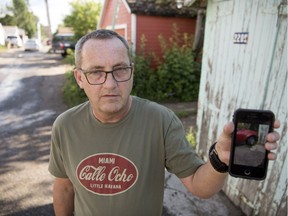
(2, 48)
(185, 113)
(191, 137)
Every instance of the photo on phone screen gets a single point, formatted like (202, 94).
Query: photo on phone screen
(248, 158)
(250, 141)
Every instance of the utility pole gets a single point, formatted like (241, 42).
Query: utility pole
(48, 18)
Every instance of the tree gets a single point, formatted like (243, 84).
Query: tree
(21, 17)
(24, 18)
(84, 17)
(8, 20)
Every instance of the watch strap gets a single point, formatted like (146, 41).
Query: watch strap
(215, 161)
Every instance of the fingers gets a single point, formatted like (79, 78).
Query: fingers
(272, 156)
(225, 136)
(271, 146)
(274, 136)
(276, 123)
(272, 139)
(224, 140)
(228, 129)
(224, 143)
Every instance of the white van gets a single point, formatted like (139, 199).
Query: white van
(15, 41)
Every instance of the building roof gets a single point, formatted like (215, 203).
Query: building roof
(13, 30)
(166, 8)
(65, 30)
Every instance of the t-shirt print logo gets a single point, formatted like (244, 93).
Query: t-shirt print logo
(107, 174)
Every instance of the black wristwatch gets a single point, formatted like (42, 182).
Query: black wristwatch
(217, 164)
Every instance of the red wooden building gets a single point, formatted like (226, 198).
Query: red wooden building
(132, 19)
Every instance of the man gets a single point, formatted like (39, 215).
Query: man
(108, 154)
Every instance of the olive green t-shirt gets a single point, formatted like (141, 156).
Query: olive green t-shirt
(118, 169)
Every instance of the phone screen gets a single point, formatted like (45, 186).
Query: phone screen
(250, 141)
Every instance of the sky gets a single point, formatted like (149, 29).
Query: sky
(58, 9)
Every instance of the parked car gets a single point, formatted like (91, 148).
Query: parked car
(61, 43)
(246, 136)
(32, 45)
(14, 41)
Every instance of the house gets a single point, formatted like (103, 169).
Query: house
(2, 35)
(133, 19)
(244, 64)
(18, 33)
(65, 30)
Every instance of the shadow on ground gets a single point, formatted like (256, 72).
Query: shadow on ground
(45, 210)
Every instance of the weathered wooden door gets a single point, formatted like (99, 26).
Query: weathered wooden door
(245, 65)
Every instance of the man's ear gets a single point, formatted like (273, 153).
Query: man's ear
(78, 77)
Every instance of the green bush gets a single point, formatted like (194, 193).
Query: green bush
(145, 77)
(177, 75)
(70, 59)
(72, 94)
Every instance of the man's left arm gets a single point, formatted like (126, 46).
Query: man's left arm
(206, 181)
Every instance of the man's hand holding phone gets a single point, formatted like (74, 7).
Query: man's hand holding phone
(249, 148)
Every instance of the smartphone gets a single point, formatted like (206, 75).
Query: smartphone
(248, 158)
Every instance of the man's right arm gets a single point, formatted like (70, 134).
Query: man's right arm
(63, 197)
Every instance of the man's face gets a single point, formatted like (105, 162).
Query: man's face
(110, 99)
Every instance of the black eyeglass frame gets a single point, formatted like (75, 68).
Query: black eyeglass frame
(107, 72)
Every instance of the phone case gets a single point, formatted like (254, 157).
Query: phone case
(248, 158)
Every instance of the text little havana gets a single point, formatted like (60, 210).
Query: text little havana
(91, 173)
(106, 186)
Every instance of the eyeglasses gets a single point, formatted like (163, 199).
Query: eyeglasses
(98, 77)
